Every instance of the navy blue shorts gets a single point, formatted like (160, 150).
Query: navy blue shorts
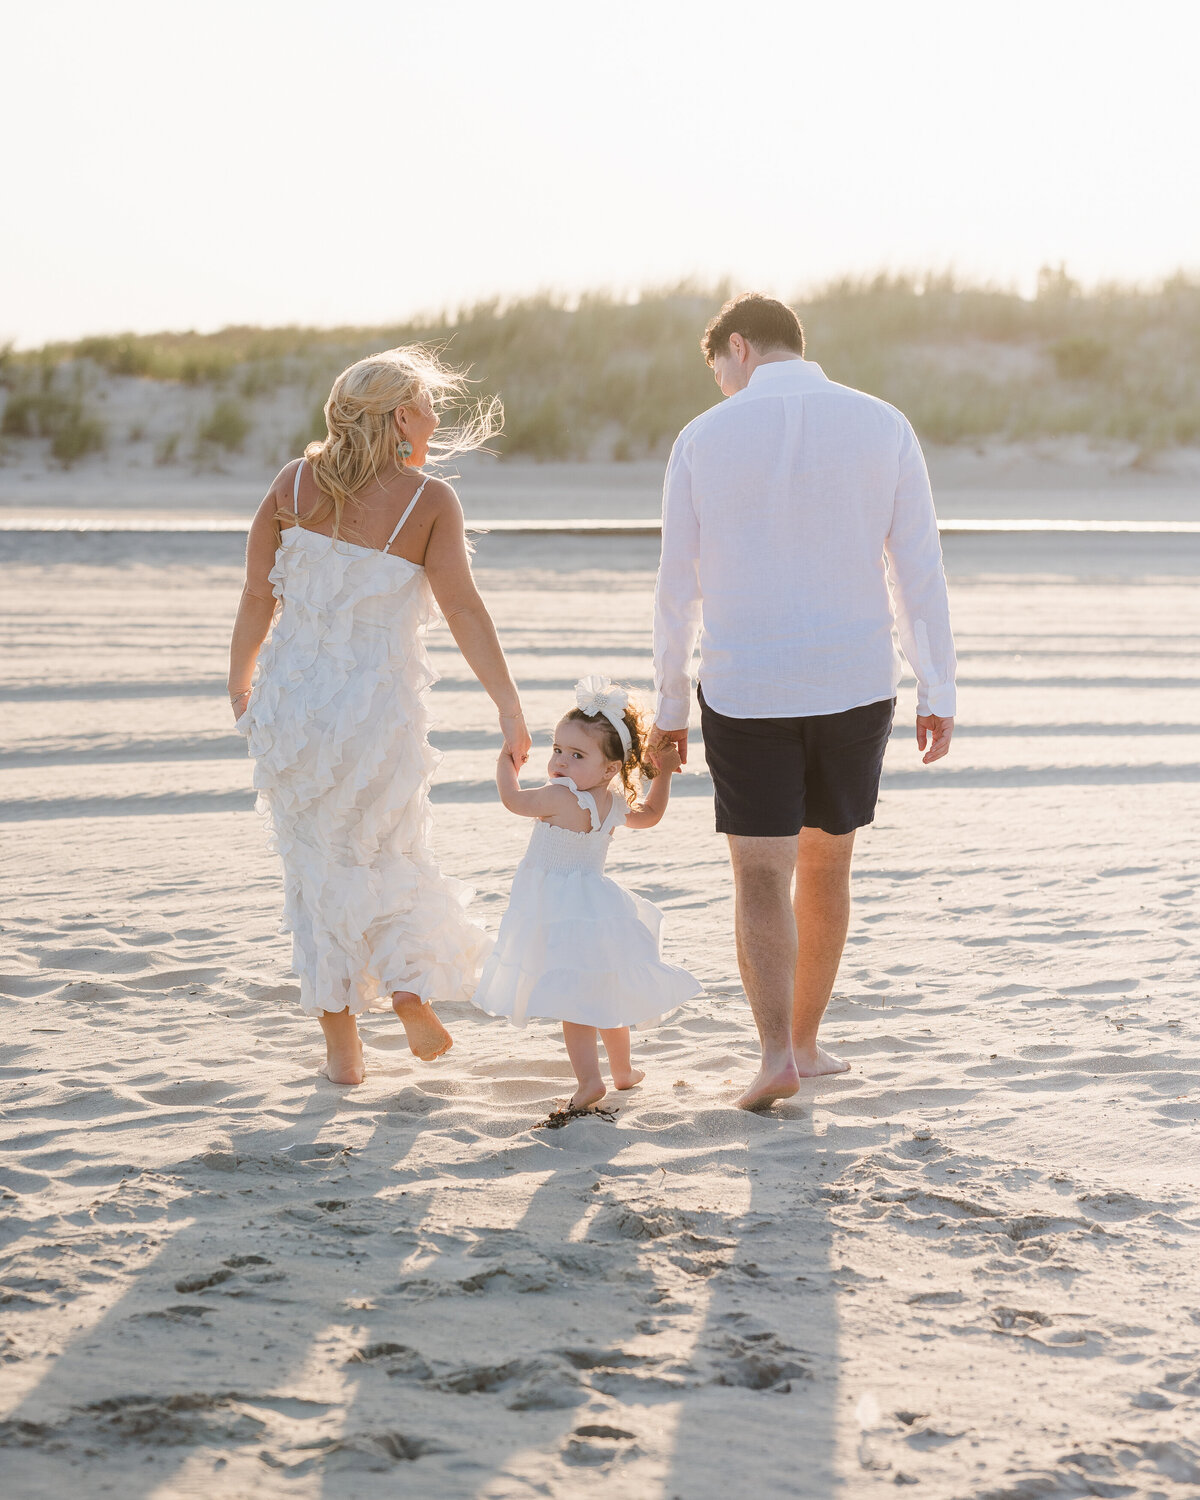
(773, 777)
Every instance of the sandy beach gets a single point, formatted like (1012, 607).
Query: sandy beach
(969, 1265)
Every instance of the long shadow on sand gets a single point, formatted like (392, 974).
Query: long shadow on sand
(409, 1291)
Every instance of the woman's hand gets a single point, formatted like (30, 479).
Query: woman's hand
(239, 702)
(517, 742)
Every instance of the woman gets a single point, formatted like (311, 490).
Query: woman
(346, 557)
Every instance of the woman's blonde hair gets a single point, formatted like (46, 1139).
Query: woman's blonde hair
(360, 443)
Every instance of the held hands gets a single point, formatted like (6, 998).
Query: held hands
(666, 759)
(936, 732)
(667, 742)
(517, 741)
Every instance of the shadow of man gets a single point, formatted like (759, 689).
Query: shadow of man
(647, 1302)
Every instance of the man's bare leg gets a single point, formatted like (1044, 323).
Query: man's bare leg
(765, 926)
(822, 905)
(343, 1050)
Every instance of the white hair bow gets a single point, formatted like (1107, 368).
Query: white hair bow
(597, 695)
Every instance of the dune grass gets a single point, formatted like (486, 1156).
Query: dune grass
(604, 377)
(46, 405)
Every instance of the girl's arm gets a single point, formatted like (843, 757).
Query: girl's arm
(448, 568)
(256, 608)
(647, 813)
(540, 803)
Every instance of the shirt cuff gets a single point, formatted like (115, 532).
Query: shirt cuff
(938, 699)
(672, 713)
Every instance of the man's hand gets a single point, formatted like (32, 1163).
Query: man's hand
(660, 738)
(936, 732)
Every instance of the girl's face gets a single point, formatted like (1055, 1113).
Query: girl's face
(417, 423)
(577, 753)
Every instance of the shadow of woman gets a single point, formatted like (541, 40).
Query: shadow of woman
(210, 1360)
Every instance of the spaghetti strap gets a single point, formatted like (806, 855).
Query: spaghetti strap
(296, 488)
(408, 512)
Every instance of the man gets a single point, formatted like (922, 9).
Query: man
(779, 509)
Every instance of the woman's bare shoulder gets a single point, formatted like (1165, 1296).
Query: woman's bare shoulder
(286, 477)
(442, 498)
(280, 491)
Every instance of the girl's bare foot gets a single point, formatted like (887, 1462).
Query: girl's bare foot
(627, 1078)
(815, 1062)
(427, 1037)
(343, 1049)
(587, 1094)
(585, 1064)
(616, 1045)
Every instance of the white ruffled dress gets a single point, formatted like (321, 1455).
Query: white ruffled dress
(573, 944)
(337, 726)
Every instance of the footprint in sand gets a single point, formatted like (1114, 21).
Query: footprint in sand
(596, 1445)
(203, 1280)
(396, 1360)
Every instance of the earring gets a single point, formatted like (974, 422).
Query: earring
(404, 450)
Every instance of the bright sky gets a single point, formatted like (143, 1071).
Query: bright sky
(276, 161)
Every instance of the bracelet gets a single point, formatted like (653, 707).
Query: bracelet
(233, 697)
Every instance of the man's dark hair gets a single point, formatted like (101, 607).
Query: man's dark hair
(761, 321)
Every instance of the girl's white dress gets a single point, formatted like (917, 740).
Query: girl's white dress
(575, 946)
(337, 726)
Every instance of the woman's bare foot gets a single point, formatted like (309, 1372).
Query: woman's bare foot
(587, 1094)
(427, 1037)
(776, 1081)
(815, 1062)
(627, 1078)
(343, 1049)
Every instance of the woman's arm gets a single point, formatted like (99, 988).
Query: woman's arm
(448, 568)
(256, 608)
(648, 812)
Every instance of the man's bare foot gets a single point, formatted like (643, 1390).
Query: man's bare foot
(427, 1037)
(780, 1081)
(815, 1062)
(343, 1051)
(627, 1078)
(588, 1094)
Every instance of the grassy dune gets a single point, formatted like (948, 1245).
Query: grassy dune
(603, 378)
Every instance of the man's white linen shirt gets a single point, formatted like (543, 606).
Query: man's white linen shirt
(780, 507)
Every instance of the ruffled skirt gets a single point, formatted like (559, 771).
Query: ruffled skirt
(576, 946)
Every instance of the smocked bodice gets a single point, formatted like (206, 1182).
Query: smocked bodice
(563, 851)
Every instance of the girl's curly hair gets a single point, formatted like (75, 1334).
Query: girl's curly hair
(634, 764)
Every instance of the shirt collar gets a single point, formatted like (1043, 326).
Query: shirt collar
(789, 374)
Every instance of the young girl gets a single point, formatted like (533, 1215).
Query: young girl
(573, 946)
